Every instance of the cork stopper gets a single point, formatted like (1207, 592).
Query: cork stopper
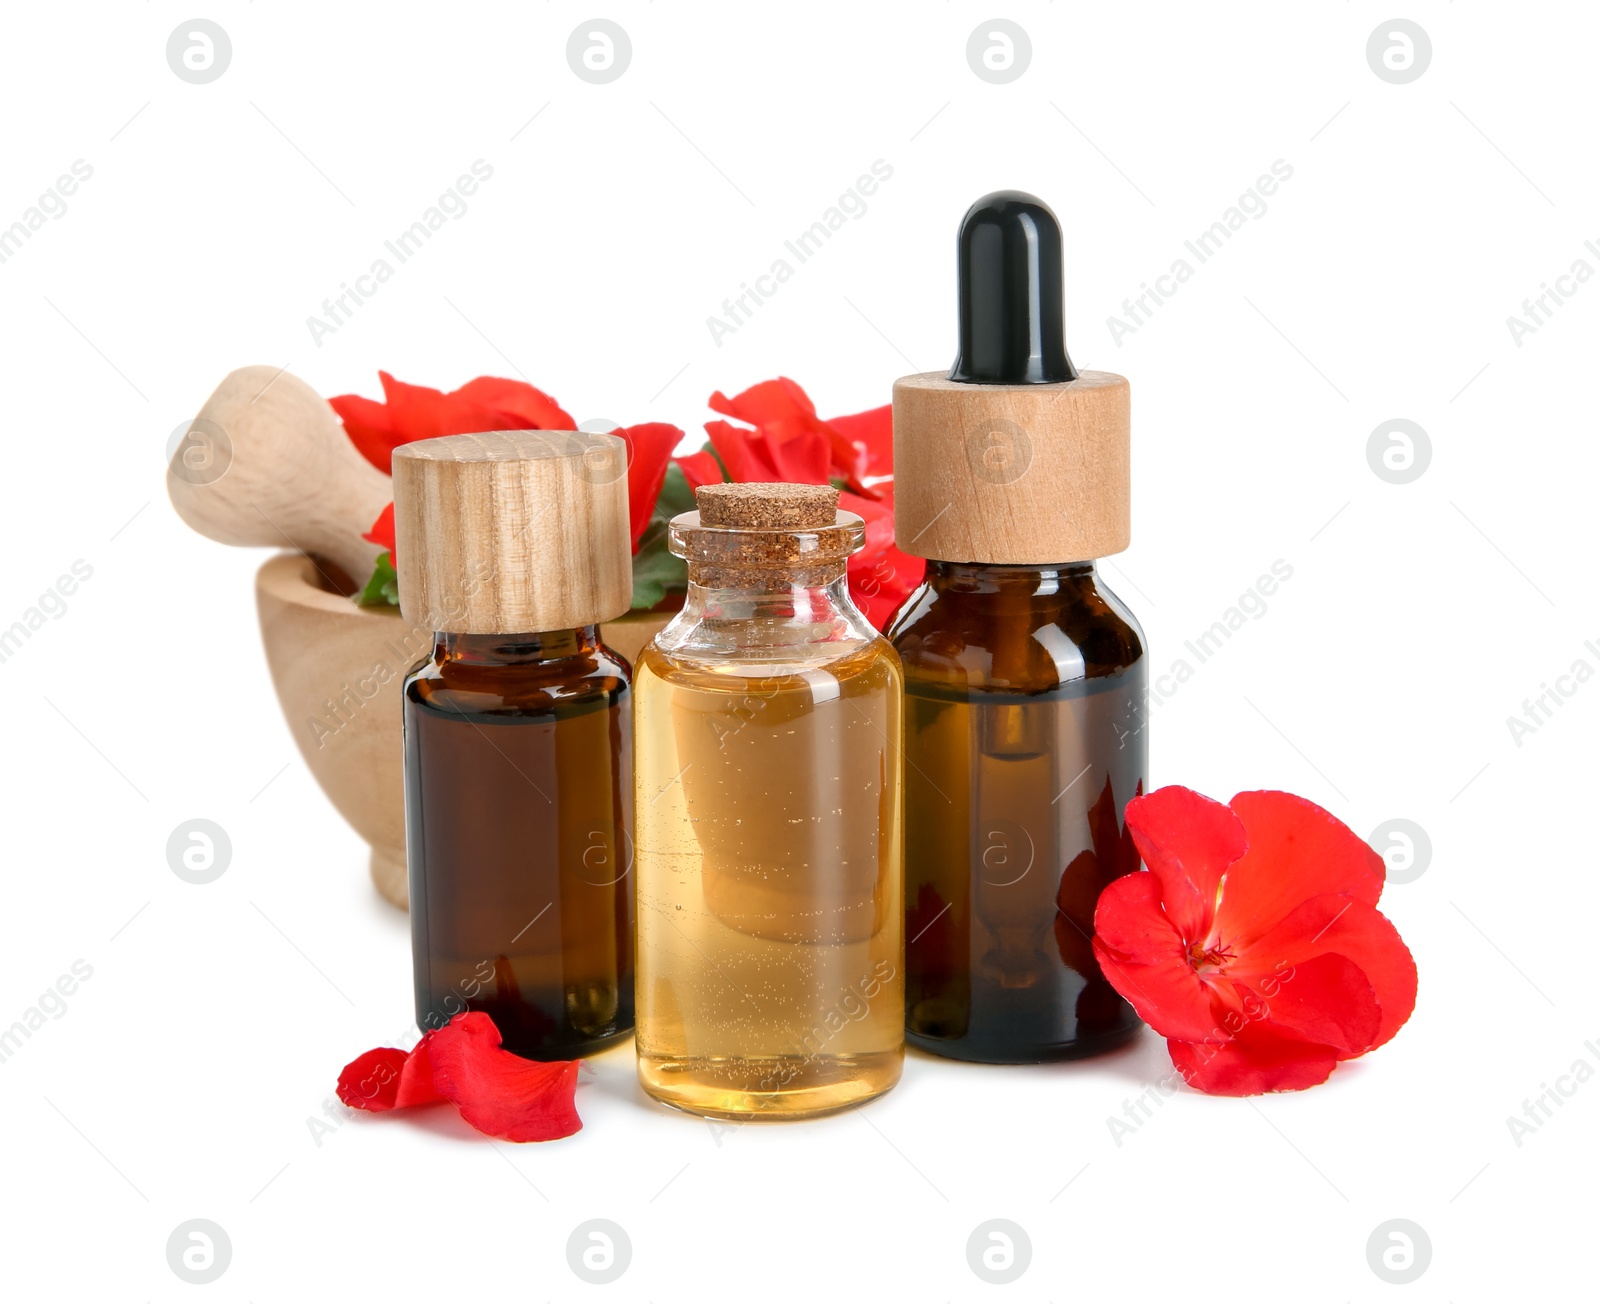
(514, 531)
(767, 506)
(1027, 474)
(765, 537)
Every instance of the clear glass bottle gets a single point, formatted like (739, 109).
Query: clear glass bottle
(517, 745)
(1025, 739)
(768, 795)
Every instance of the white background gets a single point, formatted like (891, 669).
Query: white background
(180, 1080)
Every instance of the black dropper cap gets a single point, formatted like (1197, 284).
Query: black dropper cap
(1010, 272)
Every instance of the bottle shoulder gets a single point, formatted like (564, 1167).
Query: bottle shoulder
(1027, 634)
(871, 659)
(596, 679)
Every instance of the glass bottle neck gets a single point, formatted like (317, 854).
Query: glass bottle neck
(514, 649)
(770, 619)
(977, 577)
(817, 590)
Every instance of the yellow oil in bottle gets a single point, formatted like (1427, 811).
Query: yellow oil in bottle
(768, 863)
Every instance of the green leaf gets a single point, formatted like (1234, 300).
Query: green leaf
(676, 497)
(383, 589)
(656, 572)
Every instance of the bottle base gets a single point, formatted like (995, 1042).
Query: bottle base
(779, 1087)
(570, 1050)
(999, 1052)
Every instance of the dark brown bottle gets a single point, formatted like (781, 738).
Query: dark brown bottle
(518, 834)
(1024, 678)
(518, 746)
(1025, 690)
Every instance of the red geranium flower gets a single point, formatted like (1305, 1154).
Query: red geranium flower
(411, 412)
(1253, 943)
(499, 1093)
(789, 442)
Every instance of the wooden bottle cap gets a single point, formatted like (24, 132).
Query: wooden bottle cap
(1011, 474)
(512, 532)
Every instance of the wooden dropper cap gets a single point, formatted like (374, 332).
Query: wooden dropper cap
(1015, 457)
(512, 532)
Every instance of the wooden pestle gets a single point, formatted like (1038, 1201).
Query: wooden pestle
(266, 462)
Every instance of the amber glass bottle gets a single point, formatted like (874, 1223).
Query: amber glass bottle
(1025, 690)
(768, 719)
(517, 745)
(1025, 679)
(518, 769)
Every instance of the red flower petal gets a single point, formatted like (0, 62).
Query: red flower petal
(1252, 1063)
(700, 468)
(1188, 842)
(881, 576)
(1145, 959)
(367, 423)
(801, 460)
(382, 531)
(412, 412)
(650, 448)
(1339, 924)
(872, 433)
(421, 412)
(1326, 1000)
(533, 408)
(499, 1093)
(742, 452)
(1295, 850)
(783, 413)
(386, 1079)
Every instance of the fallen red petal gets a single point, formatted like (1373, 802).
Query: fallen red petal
(499, 1093)
(386, 1079)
